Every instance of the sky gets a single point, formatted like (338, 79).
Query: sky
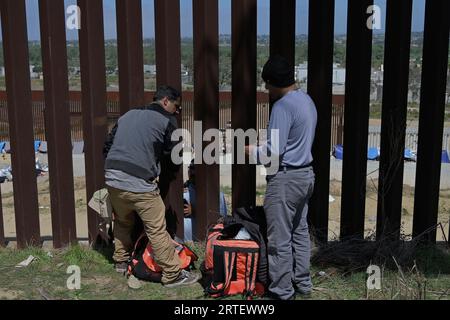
(263, 7)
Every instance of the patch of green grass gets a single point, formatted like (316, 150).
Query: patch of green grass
(433, 260)
(11, 257)
(199, 250)
(226, 190)
(334, 286)
(48, 275)
(86, 258)
(98, 277)
(260, 191)
(26, 280)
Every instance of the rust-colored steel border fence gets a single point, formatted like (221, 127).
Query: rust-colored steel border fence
(113, 113)
(63, 118)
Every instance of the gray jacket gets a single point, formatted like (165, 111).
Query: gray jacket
(139, 140)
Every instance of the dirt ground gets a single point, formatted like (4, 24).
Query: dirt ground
(334, 207)
(44, 208)
(371, 210)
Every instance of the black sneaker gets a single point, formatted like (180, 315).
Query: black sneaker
(184, 278)
(121, 267)
(271, 296)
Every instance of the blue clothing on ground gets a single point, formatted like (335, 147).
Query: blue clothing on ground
(189, 197)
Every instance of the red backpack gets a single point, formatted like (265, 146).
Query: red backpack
(231, 266)
(142, 263)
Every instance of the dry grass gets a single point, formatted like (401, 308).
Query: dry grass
(411, 269)
(355, 254)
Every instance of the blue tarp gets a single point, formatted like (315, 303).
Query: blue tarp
(37, 143)
(444, 157)
(373, 154)
(409, 155)
(338, 152)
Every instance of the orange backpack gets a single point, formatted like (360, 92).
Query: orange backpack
(231, 266)
(142, 263)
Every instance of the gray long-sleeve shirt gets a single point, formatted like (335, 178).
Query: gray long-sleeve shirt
(294, 118)
(140, 139)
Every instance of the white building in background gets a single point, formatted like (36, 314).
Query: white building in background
(33, 75)
(338, 89)
(184, 70)
(301, 73)
(338, 74)
(2, 71)
(74, 71)
(150, 69)
(377, 76)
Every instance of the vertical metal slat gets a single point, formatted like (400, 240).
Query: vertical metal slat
(168, 72)
(393, 125)
(243, 111)
(356, 114)
(15, 51)
(56, 87)
(93, 105)
(431, 117)
(130, 54)
(206, 109)
(320, 68)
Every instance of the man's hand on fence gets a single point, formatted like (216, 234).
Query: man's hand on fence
(187, 210)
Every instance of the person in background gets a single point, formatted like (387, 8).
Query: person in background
(189, 196)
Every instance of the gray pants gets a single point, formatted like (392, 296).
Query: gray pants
(289, 247)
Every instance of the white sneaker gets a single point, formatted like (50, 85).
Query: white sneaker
(134, 283)
(185, 278)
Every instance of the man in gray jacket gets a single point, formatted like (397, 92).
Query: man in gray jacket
(133, 152)
(290, 187)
